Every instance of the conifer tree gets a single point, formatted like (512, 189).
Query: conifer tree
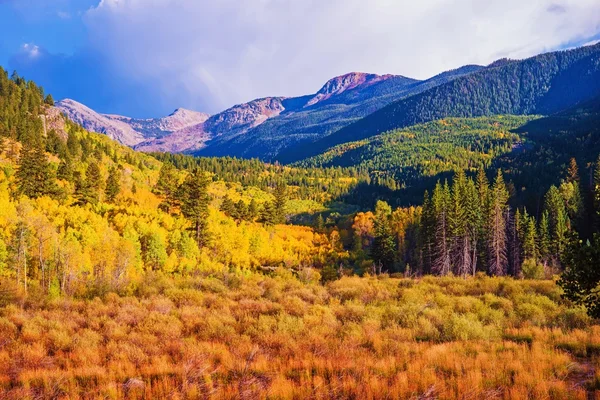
(557, 222)
(497, 240)
(35, 177)
(280, 202)
(319, 223)
(65, 169)
(544, 238)
(581, 277)
(167, 186)
(227, 206)
(441, 204)
(194, 198)
(384, 246)
(474, 217)
(113, 184)
(252, 210)
(483, 190)
(241, 211)
(460, 235)
(530, 250)
(267, 214)
(427, 233)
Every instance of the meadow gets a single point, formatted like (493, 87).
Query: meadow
(245, 335)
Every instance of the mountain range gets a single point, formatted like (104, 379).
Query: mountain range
(358, 105)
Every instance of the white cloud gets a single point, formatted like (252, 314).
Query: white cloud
(30, 50)
(210, 54)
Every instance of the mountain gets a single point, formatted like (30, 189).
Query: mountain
(340, 101)
(129, 131)
(262, 127)
(543, 84)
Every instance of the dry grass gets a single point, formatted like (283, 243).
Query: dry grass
(250, 336)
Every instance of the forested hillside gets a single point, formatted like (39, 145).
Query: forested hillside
(304, 119)
(543, 84)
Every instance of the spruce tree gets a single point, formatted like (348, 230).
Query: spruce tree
(252, 210)
(384, 245)
(280, 202)
(166, 186)
(558, 223)
(241, 211)
(483, 190)
(113, 184)
(497, 240)
(441, 205)
(427, 233)
(35, 177)
(581, 278)
(194, 198)
(267, 214)
(227, 206)
(544, 238)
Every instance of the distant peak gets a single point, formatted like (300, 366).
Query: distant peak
(342, 83)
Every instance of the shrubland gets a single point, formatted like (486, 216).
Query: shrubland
(225, 334)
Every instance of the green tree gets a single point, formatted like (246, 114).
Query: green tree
(267, 214)
(557, 222)
(113, 184)
(194, 199)
(167, 186)
(544, 238)
(441, 200)
(280, 202)
(580, 280)
(497, 240)
(384, 245)
(227, 206)
(49, 100)
(241, 210)
(252, 210)
(35, 176)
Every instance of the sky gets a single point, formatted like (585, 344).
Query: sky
(145, 58)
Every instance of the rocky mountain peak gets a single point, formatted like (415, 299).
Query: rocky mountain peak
(343, 83)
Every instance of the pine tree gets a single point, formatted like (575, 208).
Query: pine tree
(474, 215)
(166, 186)
(280, 202)
(544, 238)
(252, 210)
(227, 206)
(65, 169)
(94, 180)
(319, 223)
(558, 223)
(194, 198)
(35, 177)
(427, 233)
(49, 100)
(581, 278)
(441, 204)
(241, 211)
(384, 246)
(483, 190)
(113, 184)
(530, 250)
(460, 235)
(497, 239)
(573, 172)
(267, 214)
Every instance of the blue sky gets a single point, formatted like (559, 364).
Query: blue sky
(144, 58)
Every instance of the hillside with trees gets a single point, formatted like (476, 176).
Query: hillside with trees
(544, 84)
